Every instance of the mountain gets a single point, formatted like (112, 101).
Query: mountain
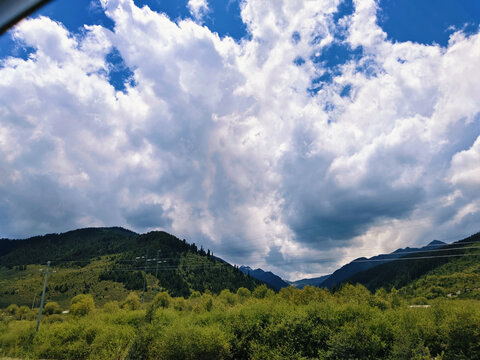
(276, 282)
(452, 265)
(109, 263)
(312, 282)
(363, 264)
(267, 277)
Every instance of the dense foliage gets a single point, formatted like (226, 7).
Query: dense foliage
(351, 323)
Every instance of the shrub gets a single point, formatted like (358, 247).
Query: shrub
(18, 335)
(52, 308)
(12, 309)
(23, 312)
(111, 307)
(191, 342)
(243, 293)
(161, 300)
(357, 340)
(180, 304)
(262, 292)
(195, 294)
(82, 305)
(66, 340)
(227, 297)
(112, 342)
(132, 302)
(464, 335)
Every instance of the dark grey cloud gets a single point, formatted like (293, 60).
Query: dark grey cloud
(147, 216)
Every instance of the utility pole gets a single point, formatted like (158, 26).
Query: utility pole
(42, 302)
(145, 278)
(33, 303)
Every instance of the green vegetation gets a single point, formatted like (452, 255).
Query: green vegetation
(197, 307)
(108, 263)
(311, 323)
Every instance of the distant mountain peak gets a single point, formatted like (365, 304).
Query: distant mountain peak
(436, 242)
(268, 277)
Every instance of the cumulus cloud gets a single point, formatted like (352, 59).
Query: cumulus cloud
(198, 8)
(248, 147)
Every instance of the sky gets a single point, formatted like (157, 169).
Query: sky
(293, 135)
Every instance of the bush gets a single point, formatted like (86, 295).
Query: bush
(112, 342)
(161, 300)
(191, 342)
(52, 308)
(294, 324)
(16, 338)
(243, 293)
(132, 302)
(180, 304)
(82, 305)
(464, 335)
(23, 312)
(12, 309)
(262, 292)
(357, 340)
(227, 297)
(111, 307)
(66, 340)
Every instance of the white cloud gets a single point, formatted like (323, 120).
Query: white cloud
(221, 142)
(198, 8)
(465, 168)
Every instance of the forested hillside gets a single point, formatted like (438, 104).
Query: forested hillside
(108, 263)
(362, 264)
(454, 266)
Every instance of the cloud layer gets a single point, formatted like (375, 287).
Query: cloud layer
(265, 150)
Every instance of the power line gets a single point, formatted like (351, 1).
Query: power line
(422, 249)
(209, 265)
(418, 258)
(199, 262)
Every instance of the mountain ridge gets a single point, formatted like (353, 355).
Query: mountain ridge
(109, 263)
(316, 281)
(275, 281)
(402, 273)
(361, 264)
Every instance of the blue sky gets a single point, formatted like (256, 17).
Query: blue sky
(275, 133)
(425, 22)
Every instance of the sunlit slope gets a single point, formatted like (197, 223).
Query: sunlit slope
(108, 263)
(451, 268)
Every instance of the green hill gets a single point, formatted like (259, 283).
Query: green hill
(109, 263)
(453, 269)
